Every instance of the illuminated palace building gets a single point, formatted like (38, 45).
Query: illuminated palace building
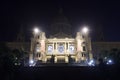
(61, 48)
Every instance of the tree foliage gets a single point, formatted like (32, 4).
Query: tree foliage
(113, 54)
(8, 57)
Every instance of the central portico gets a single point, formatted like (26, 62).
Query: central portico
(60, 48)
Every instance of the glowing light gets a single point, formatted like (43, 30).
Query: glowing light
(31, 61)
(91, 63)
(109, 61)
(36, 30)
(85, 30)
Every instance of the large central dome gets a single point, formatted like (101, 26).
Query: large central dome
(61, 24)
(61, 18)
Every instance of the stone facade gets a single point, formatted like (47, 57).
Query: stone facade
(61, 47)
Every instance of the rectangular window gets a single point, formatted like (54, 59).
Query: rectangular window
(84, 48)
(38, 37)
(82, 54)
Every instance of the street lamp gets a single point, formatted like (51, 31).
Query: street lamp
(36, 30)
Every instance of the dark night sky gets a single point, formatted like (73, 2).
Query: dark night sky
(98, 13)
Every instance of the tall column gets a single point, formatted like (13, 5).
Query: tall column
(53, 48)
(65, 48)
(68, 48)
(55, 58)
(56, 47)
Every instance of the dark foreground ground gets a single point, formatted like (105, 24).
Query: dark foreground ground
(61, 73)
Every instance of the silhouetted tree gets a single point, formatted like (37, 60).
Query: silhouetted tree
(115, 55)
(103, 54)
(6, 60)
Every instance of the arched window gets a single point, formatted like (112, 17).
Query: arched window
(71, 48)
(50, 48)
